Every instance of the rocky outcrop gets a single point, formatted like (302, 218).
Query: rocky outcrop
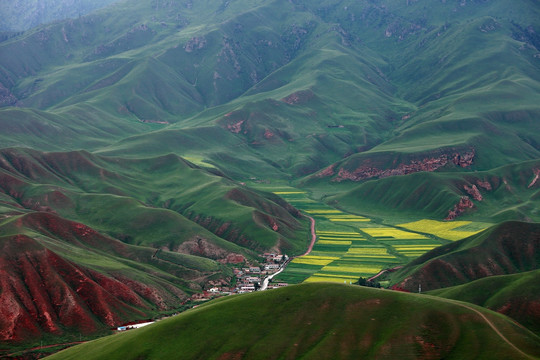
(299, 97)
(195, 43)
(43, 292)
(463, 204)
(366, 171)
(202, 247)
(474, 192)
(536, 173)
(486, 185)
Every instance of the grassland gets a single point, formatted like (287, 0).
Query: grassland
(516, 296)
(294, 322)
(382, 111)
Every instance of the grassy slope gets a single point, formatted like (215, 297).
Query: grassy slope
(516, 296)
(347, 72)
(507, 248)
(506, 193)
(317, 321)
(149, 201)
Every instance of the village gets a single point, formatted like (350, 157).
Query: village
(253, 278)
(246, 279)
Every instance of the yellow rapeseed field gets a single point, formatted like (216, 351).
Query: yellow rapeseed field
(442, 229)
(393, 233)
(358, 269)
(315, 260)
(331, 278)
(334, 242)
(368, 250)
(324, 211)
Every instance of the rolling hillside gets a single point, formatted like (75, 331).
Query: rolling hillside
(61, 277)
(143, 124)
(508, 248)
(516, 296)
(321, 321)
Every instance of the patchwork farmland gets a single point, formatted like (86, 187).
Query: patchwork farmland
(350, 246)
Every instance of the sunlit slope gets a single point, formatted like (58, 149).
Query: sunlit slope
(318, 321)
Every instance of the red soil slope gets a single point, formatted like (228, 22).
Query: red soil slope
(42, 292)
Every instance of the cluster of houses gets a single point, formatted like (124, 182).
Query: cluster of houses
(249, 279)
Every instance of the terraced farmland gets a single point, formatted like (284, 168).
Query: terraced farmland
(351, 246)
(404, 243)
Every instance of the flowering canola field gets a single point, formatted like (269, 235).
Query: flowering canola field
(351, 246)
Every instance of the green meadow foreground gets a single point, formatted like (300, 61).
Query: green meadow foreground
(322, 321)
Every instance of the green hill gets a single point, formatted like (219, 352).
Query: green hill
(507, 248)
(162, 202)
(508, 192)
(516, 296)
(321, 321)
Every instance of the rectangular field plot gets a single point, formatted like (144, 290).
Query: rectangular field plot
(296, 273)
(443, 229)
(332, 278)
(314, 260)
(414, 251)
(391, 233)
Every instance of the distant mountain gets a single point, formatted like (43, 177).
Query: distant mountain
(19, 15)
(341, 92)
(321, 321)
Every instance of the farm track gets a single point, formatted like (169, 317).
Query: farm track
(313, 236)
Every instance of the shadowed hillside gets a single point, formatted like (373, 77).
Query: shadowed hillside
(321, 321)
(516, 296)
(508, 248)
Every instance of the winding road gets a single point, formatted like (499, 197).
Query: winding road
(313, 236)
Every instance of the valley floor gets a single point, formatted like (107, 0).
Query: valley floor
(348, 246)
